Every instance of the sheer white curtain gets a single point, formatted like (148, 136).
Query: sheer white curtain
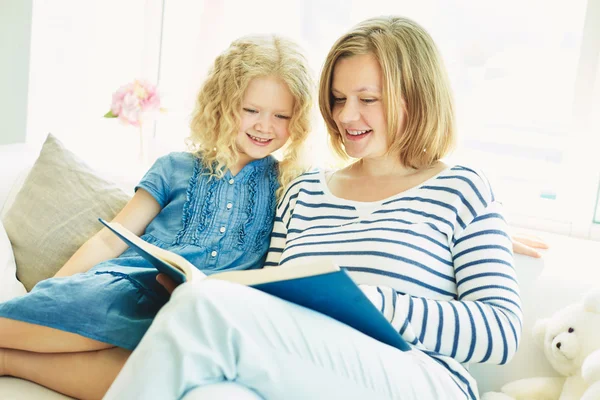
(81, 52)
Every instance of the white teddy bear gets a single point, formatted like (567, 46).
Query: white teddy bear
(571, 342)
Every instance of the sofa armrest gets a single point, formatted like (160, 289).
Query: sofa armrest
(15, 389)
(567, 270)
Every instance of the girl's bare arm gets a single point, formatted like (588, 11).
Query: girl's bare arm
(104, 245)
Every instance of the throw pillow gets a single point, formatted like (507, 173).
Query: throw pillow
(9, 285)
(56, 211)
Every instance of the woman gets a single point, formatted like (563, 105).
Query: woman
(424, 240)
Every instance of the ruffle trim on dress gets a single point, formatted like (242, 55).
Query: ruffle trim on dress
(249, 207)
(192, 185)
(267, 226)
(207, 209)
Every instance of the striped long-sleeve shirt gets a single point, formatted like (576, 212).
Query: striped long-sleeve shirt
(436, 259)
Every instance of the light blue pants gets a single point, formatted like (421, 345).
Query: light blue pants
(213, 331)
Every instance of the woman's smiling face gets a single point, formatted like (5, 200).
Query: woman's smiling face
(358, 109)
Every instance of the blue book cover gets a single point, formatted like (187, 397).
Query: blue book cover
(335, 294)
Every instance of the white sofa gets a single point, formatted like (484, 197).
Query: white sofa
(567, 269)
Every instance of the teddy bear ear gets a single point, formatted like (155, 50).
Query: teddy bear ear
(539, 331)
(591, 301)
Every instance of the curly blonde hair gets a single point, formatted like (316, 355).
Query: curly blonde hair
(413, 71)
(216, 118)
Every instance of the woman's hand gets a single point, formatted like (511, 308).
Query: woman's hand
(527, 245)
(168, 283)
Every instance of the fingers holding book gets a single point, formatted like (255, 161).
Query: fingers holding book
(169, 284)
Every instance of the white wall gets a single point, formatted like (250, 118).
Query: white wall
(15, 38)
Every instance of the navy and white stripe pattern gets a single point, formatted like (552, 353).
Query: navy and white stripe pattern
(436, 259)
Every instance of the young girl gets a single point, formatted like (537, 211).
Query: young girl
(214, 206)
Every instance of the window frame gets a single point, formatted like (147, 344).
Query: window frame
(583, 192)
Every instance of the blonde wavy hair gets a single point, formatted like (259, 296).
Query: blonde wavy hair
(414, 78)
(216, 118)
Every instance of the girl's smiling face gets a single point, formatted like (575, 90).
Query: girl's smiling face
(265, 118)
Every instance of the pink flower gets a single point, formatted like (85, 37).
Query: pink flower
(135, 103)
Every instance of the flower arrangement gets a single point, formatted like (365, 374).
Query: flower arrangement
(134, 104)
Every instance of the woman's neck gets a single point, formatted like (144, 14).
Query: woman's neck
(369, 180)
(386, 166)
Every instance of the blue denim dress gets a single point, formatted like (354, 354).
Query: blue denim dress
(216, 224)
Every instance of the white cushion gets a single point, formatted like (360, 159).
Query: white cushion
(14, 160)
(12, 192)
(9, 285)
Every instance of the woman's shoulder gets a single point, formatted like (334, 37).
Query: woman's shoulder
(469, 181)
(309, 180)
(310, 177)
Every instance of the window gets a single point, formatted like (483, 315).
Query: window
(597, 214)
(523, 100)
(526, 78)
(520, 73)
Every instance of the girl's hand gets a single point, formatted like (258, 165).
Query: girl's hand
(526, 245)
(168, 283)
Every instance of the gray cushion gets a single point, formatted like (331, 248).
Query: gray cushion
(56, 211)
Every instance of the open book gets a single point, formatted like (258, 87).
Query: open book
(320, 285)
(165, 261)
